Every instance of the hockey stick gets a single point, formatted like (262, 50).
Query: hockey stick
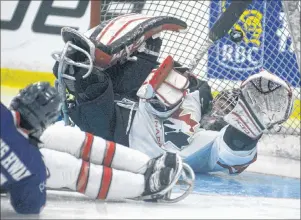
(220, 29)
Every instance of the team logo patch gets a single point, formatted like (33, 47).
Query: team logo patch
(179, 128)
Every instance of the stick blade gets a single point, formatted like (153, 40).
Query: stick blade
(228, 19)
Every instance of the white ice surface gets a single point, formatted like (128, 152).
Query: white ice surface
(75, 206)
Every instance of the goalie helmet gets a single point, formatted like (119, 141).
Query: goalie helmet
(221, 105)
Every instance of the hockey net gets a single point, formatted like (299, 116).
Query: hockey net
(267, 43)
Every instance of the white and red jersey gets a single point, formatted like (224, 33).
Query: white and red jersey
(179, 131)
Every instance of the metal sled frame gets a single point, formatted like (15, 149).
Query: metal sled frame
(183, 170)
(63, 60)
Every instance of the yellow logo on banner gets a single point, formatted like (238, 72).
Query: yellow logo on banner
(250, 23)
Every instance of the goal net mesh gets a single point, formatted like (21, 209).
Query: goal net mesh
(267, 42)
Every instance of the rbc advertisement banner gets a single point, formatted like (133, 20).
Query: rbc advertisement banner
(266, 44)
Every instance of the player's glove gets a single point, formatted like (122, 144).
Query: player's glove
(264, 101)
(39, 105)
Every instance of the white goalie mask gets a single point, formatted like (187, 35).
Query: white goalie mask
(221, 105)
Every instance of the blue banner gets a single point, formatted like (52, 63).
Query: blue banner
(266, 44)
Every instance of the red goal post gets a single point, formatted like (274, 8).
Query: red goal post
(95, 10)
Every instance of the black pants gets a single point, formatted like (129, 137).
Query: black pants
(102, 116)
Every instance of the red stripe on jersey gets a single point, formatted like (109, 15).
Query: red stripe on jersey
(87, 146)
(110, 152)
(123, 27)
(105, 183)
(83, 176)
(110, 25)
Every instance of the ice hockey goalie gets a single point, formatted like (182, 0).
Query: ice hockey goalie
(119, 91)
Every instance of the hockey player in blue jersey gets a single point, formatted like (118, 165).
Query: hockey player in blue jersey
(23, 172)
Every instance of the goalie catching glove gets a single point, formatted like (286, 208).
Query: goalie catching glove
(264, 100)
